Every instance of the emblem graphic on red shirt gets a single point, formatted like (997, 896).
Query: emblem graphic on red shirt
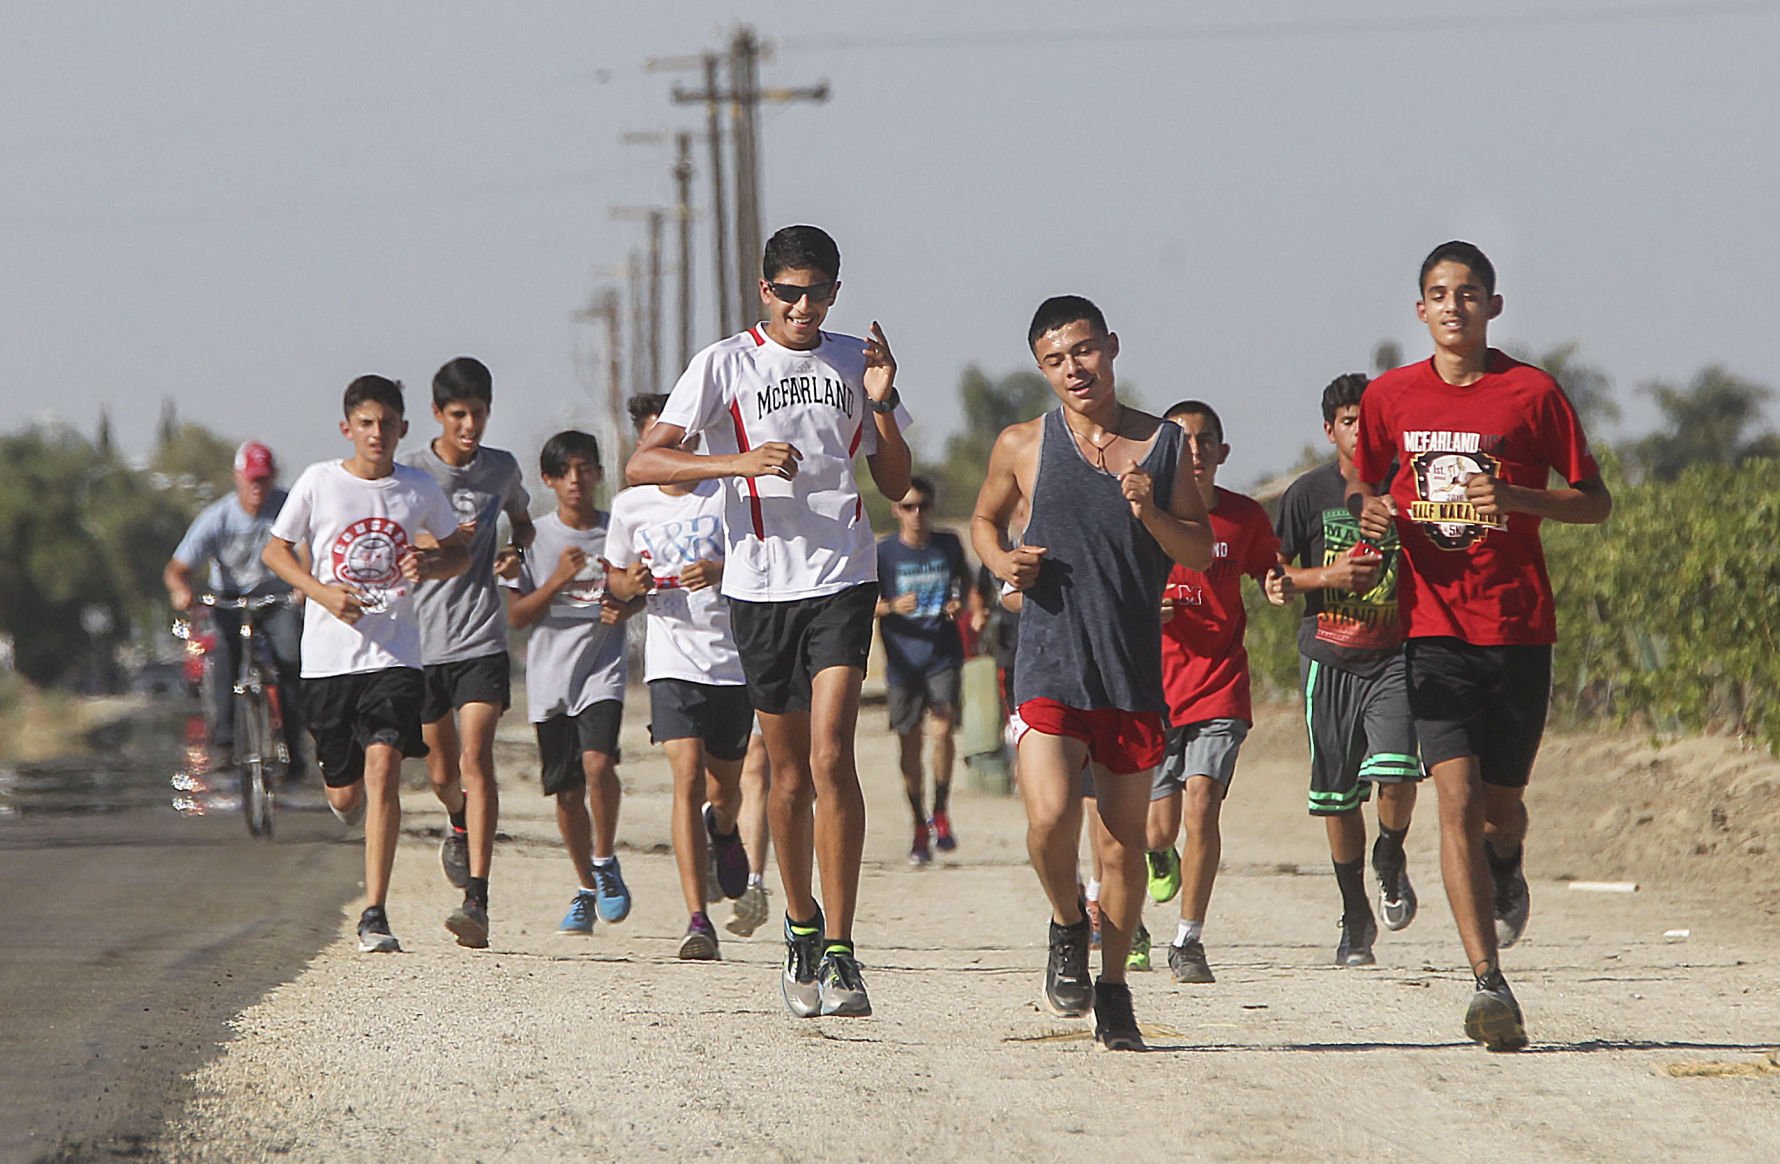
(368, 555)
(1450, 520)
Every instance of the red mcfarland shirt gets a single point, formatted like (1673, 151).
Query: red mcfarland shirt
(1204, 662)
(1482, 581)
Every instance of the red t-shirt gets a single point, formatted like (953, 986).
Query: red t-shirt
(1204, 663)
(1480, 581)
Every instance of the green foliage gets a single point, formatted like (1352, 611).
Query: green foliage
(1714, 420)
(989, 405)
(195, 459)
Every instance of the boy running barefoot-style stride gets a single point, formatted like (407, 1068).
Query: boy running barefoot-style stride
(1111, 511)
(922, 579)
(1356, 699)
(363, 683)
(1473, 436)
(1205, 678)
(665, 544)
(463, 635)
(783, 409)
(575, 671)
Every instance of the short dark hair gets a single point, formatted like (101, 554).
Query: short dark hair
(1196, 408)
(1458, 251)
(553, 461)
(643, 405)
(1342, 391)
(1061, 311)
(923, 486)
(465, 378)
(376, 390)
(800, 248)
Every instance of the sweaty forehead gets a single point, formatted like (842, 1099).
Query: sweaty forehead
(1453, 275)
(1065, 336)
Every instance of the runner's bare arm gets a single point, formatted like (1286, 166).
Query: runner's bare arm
(525, 609)
(892, 463)
(1011, 463)
(1346, 572)
(1181, 527)
(659, 460)
(1587, 502)
(1375, 509)
(343, 602)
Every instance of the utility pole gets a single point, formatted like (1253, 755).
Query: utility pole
(646, 367)
(603, 309)
(683, 207)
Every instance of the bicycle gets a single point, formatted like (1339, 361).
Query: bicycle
(260, 753)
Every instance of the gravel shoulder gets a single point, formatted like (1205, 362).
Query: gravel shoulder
(1645, 1046)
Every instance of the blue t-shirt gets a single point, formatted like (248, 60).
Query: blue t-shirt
(925, 642)
(232, 540)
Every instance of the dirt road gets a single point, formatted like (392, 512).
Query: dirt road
(610, 1048)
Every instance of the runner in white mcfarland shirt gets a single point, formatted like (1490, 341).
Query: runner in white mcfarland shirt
(783, 409)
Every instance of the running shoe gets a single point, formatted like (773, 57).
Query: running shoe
(469, 923)
(373, 933)
(729, 859)
(1068, 991)
(1164, 874)
(1355, 946)
(700, 942)
(1115, 1027)
(919, 852)
(803, 994)
(352, 817)
(611, 896)
(1139, 957)
(1188, 963)
(841, 986)
(1513, 904)
(1092, 909)
(454, 856)
(1493, 1018)
(578, 922)
(750, 910)
(1396, 896)
(941, 824)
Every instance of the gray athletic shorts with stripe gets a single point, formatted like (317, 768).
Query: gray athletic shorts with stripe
(1361, 733)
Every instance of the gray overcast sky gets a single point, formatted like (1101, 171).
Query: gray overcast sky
(243, 206)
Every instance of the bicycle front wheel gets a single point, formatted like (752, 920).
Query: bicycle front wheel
(253, 732)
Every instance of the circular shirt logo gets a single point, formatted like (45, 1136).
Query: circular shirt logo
(368, 555)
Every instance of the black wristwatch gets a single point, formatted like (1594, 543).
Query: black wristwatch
(884, 406)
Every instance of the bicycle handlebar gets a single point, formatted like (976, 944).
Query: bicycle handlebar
(258, 602)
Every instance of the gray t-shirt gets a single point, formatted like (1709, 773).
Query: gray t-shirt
(572, 660)
(463, 617)
(231, 540)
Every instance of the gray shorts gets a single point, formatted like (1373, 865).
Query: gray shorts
(1361, 733)
(936, 692)
(1205, 748)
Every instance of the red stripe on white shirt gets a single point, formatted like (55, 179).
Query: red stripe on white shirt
(741, 444)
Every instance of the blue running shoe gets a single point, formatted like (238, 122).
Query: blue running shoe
(611, 895)
(578, 922)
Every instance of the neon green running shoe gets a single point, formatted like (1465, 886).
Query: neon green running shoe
(1164, 874)
(1139, 957)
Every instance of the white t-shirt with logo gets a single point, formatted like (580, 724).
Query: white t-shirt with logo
(807, 537)
(357, 531)
(689, 634)
(572, 659)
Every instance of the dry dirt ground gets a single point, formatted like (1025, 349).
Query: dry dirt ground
(1647, 1045)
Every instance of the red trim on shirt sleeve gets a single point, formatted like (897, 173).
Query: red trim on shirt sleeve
(741, 443)
(759, 340)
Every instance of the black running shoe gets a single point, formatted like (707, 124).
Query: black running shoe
(1068, 992)
(1513, 904)
(842, 986)
(1115, 1027)
(373, 933)
(1396, 896)
(1493, 1018)
(803, 951)
(1355, 946)
(469, 924)
(729, 860)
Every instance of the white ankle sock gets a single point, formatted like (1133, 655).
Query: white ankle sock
(1188, 931)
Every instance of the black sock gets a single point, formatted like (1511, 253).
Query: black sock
(477, 891)
(1350, 876)
(372, 913)
(457, 820)
(1388, 848)
(1502, 864)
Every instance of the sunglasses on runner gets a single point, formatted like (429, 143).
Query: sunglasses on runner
(792, 292)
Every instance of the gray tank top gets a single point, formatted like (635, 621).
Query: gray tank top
(1091, 627)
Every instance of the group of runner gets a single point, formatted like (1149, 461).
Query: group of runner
(1425, 643)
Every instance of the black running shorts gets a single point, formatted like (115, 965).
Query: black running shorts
(910, 702)
(720, 717)
(786, 644)
(349, 713)
(486, 679)
(563, 738)
(1487, 702)
(1361, 733)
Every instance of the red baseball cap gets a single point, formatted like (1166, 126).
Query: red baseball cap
(254, 461)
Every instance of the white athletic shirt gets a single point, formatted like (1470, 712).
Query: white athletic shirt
(807, 537)
(688, 629)
(357, 531)
(572, 659)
